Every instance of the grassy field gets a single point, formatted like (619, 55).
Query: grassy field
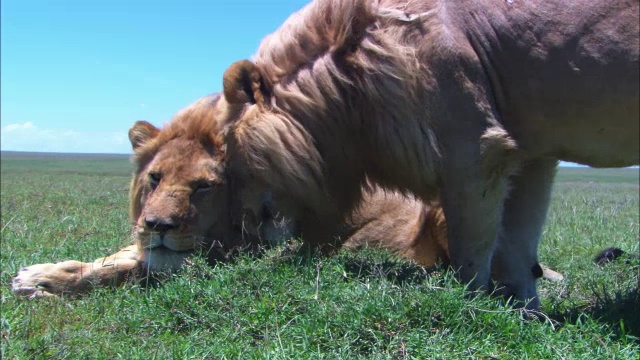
(353, 305)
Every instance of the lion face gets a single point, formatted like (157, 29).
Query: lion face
(182, 185)
(183, 198)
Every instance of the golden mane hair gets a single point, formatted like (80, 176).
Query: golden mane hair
(310, 79)
(197, 121)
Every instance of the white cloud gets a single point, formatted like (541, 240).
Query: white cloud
(17, 127)
(29, 137)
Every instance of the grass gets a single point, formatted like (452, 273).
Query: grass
(353, 305)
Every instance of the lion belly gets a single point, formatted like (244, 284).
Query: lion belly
(592, 119)
(566, 87)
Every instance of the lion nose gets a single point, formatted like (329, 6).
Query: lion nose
(159, 225)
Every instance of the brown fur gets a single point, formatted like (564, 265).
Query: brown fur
(472, 102)
(400, 224)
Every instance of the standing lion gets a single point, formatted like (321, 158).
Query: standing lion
(472, 102)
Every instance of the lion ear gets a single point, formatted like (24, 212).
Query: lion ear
(243, 83)
(141, 132)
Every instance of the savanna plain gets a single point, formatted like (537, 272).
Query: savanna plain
(284, 305)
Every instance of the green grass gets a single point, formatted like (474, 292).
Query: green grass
(353, 305)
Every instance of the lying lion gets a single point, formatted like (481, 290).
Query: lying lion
(182, 201)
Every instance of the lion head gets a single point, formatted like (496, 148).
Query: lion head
(310, 125)
(181, 199)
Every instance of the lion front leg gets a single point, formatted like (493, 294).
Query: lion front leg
(74, 277)
(474, 185)
(473, 219)
(516, 266)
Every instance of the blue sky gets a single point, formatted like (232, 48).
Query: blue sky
(76, 74)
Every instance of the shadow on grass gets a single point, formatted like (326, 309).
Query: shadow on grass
(396, 272)
(364, 264)
(620, 311)
(615, 307)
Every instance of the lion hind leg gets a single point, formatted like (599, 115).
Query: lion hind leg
(515, 262)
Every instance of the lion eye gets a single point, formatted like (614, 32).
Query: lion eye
(154, 179)
(204, 186)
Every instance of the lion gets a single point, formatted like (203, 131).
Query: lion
(182, 201)
(472, 103)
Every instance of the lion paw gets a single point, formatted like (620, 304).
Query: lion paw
(42, 280)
